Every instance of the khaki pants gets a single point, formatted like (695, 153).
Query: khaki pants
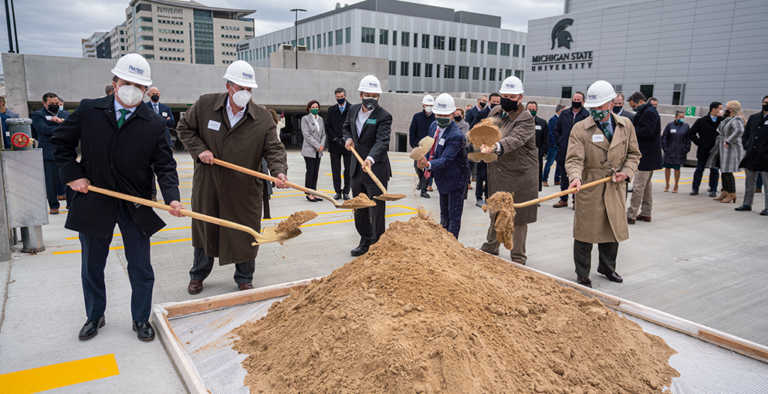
(519, 236)
(642, 195)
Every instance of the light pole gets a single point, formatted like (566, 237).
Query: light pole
(296, 33)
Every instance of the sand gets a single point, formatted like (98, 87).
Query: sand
(361, 200)
(419, 313)
(484, 133)
(291, 225)
(503, 204)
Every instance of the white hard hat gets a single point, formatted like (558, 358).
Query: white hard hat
(133, 68)
(599, 93)
(428, 100)
(511, 85)
(370, 84)
(444, 105)
(241, 73)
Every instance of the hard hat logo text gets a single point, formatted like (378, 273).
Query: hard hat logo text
(135, 70)
(249, 76)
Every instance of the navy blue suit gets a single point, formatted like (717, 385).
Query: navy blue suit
(448, 165)
(45, 129)
(470, 116)
(419, 129)
(562, 133)
(552, 151)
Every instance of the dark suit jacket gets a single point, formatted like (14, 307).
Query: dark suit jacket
(648, 129)
(551, 126)
(480, 116)
(755, 141)
(703, 133)
(469, 117)
(420, 124)
(45, 129)
(333, 128)
(627, 114)
(450, 167)
(563, 130)
(542, 136)
(163, 109)
(120, 160)
(373, 141)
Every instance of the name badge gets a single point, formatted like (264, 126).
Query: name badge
(370, 121)
(598, 138)
(442, 141)
(673, 131)
(214, 125)
(165, 114)
(48, 117)
(766, 122)
(538, 127)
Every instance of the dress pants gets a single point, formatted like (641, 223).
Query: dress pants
(564, 182)
(582, 257)
(52, 183)
(423, 181)
(641, 202)
(139, 267)
(759, 184)
(203, 265)
(541, 169)
(481, 181)
(336, 159)
(519, 237)
(313, 171)
(369, 222)
(714, 175)
(472, 168)
(751, 184)
(451, 209)
(551, 156)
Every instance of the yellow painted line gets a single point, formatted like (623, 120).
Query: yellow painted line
(703, 178)
(59, 375)
(121, 247)
(404, 173)
(672, 181)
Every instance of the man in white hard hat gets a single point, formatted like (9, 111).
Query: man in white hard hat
(599, 146)
(367, 129)
(122, 142)
(230, 127)
(447, 163)
(516, 170)
(419, 129)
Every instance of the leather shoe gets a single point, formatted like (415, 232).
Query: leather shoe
(758, 190)
(195, 286)
(359, 251)
(144, 330)
(424, 195)
(557, 183)
(337, 196)
(712, 193)
(694, 192)
(584, 282)
(631, 221)
(612, 276)
(764, 212)
(245, 286)
(418, 186)
(561, 204)
(743, 208)
(91, 328)
(62, 198)
(545, 184)
(430, 189)
(643, 218)
(346, 197)
(54, 211)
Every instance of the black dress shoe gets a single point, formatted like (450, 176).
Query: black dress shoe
(612, 276)
(337, 196)
(144, 330)
(712, 193)
(425, 195)
(91, 328)
(584, 282)
(743, 208)
(346, 196)
(764, 212)
(359, 251)
(695, 193)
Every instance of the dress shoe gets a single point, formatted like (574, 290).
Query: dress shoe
(612, 276)
(479, 203)
(62, 198)
(722, 195)
(694, 192)
(359, 251)
(517, 262)
(561, 204)
(758, 190)
(418, 186)
(346, 196)
(764, 212)
(337, 196)
(54, 211)
(195, 286)
(557, 183)
(493, 252)
(643, 218)
(144, 330)
(245, 286)
(712, 193)
(545, 184)
(743, 208)
(584, 282)
(631, 221)
(424, 195)
(430, 189)
(730, 198)
(91, 328)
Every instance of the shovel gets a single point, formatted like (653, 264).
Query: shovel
(349, 204)
(484, 133)
(382, 197)
(260, 239)
(424, 146)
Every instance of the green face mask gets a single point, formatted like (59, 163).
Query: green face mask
(314, 111)
(533, 113)
(598, 116)
(442, 122)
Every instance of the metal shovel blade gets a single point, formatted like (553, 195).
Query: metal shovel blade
(390, 197)
(484, 157)
(271, 232)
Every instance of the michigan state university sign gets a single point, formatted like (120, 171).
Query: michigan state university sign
(564, 59)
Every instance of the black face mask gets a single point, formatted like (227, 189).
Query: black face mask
(155, 98)
(727, 112)
(616, 110)
(493, 106)
(53, 108)
(481, 105)
(575, 105)
(765, 107)
(509, 105)
(457, 119)
(370, 103)
(341, 101)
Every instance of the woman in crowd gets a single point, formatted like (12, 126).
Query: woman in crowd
(676, 143)
(728, 150)
(313, 130)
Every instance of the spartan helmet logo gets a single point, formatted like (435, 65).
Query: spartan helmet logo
(559, 33)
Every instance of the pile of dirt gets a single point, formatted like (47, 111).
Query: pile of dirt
(419, 313)
(484, 133)
(503, 205)
(361, 200)
(291, 225)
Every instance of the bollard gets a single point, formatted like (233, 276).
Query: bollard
(32, 239)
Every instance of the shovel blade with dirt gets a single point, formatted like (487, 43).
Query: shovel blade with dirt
(383, 197)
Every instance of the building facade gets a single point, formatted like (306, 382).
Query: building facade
(113, 45)
(683, 52)
(430, 49)
(89, 44)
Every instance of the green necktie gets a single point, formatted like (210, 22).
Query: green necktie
(120, 121)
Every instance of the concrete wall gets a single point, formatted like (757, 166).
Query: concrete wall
(322, 62)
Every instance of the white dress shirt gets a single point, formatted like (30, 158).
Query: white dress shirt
(362, 117)
(118, 107)
(234, 118)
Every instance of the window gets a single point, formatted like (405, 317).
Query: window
(439, 43)
(492, 47)
(463, 45)
(301, 41)
(476, 73)
(500, 79)
(647, 90)
(425, 42)
(484, 69)
(565, 92)
(383, 37)
(617, 88)
(394, 37)
(392, 67)
(452, 44)
(504, 49)
(482, 47)
(450, 72)
(405, 39)
(428, 70)
(508, 74)
(416, 69)
(415, 39)
(319, 42)
(368, 35)
(492, 74)
(339, 37)
(463, 72)
(523, 50)
(330, 38)
(473, 46)
(438, 71)
(519, 74)
(678, 94)
(404, 69)
(516, 51)
(348, 32)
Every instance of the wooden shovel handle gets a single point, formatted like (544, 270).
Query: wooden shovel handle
(368, 170)
(562, 193)
(193, 215)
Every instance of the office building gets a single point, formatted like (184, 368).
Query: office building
(89, 44)
(113, 45)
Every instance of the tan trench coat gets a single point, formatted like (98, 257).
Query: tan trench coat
(600, 210)
(225, 193)
(517, 169)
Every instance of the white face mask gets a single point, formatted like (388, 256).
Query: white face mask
(241, 98)
(428, 109)
(130, 95)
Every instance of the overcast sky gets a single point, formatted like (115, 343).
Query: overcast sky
(56, 27)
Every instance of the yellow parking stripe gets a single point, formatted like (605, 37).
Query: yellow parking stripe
(59, 375)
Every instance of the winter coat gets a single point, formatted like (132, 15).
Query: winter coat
(755, 142)
(449, 165)
(516, 170)
(648, 128)
(542, 136)
(728, 159)
(333, 123)
(45, 127)
(464, 127)
(676, 143)
(419, 127)
(563, 130)
(221, 192)
(314, 136)
(600, 210)
(703, 133)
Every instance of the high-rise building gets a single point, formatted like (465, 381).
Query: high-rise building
(430, 49)
(89, 44)
(113, 45)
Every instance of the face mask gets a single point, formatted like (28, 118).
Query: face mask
(727, 112)
(241, 98)
(597, 115)
(575, 105)
(616, 110)
(482, 105)
(130, 95)
(765, 107)
(443, 122)
(155, 98)
(341, 101)
(314, 111)
(428, 109)
(720, 113)
(508, 105)
(493, 106)
(533, 113)
(53, 108)
(370, 103)
(457, 119)
(679, 121)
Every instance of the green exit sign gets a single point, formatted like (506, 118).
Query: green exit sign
(690, 111)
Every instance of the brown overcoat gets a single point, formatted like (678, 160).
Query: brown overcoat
(225, 193)
(600, 210)
(517, 169)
